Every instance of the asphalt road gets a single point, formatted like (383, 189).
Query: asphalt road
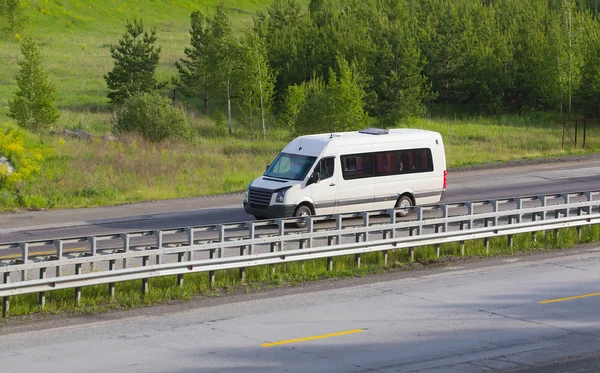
(506, 315)
(473, 317)
(557, 176)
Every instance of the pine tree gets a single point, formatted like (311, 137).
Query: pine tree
(33, 104)
(136, 59)
(194, 71)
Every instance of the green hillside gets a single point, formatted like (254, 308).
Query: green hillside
(74, 38)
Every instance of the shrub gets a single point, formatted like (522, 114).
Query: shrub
(152, 116)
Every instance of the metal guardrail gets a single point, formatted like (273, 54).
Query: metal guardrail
(241, 245)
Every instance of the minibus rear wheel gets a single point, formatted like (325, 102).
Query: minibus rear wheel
(405, 203)
(302, 211)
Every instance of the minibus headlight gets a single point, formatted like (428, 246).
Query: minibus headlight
(280, 196)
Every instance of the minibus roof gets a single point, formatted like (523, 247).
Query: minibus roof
(313, 145)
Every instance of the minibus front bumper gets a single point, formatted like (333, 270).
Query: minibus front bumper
(273, 211)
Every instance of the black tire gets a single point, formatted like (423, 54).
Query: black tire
(260, 217)
(302, 211)
(406, 205)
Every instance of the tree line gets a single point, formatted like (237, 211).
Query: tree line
(476, 56)
(341, 64)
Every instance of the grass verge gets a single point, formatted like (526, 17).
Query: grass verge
(95, 299)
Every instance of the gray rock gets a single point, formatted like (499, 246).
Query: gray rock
(5, 161)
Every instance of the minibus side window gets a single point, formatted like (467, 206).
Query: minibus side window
(419, 160)
(403, 161)
(390, 163)
(357, 166)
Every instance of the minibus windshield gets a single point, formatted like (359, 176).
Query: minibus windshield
(290, 166)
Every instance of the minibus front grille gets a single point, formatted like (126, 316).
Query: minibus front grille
(259, 198)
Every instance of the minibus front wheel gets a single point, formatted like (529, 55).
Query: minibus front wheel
(405, 205)
(302, 211)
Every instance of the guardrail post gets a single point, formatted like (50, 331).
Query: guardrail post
(111, 285)
(510, 236)
(494, 205)
(567, 199)
(533, 219)
(59, 253)
(486, 240)
(588, 196)
(24, 257)
(385, 258)
(556, 216)
(78, 288)
(310, 227)
(125, 238)
(6, 299)
(279, 244)
(242, 269)
(365, 216)
(42, 294)
(93, 246)
(437, 245)
(190, 235)
(462, 243)
(543, 203)
(145, 280)
(444, 208)
(251, 232)
(330, 240)
(211, 255)
(420, 219)
(159, 245)
(211, 274)
(180, 257)
(519, 203)
(393, 220)
(579, 212)
(411, 250)
(357, 238)
(338, 228)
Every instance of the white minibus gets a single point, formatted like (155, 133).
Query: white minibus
(371, 169)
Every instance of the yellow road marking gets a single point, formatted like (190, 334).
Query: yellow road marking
(36, 253)
(312, 338)
(569, 298)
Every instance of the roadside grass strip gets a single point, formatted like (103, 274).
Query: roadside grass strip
(556, 300)
(312, 338)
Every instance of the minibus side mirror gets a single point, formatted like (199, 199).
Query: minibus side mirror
(314, 178)
(267, 169)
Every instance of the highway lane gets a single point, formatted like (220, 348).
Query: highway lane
(511, 314)
(496, 182)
